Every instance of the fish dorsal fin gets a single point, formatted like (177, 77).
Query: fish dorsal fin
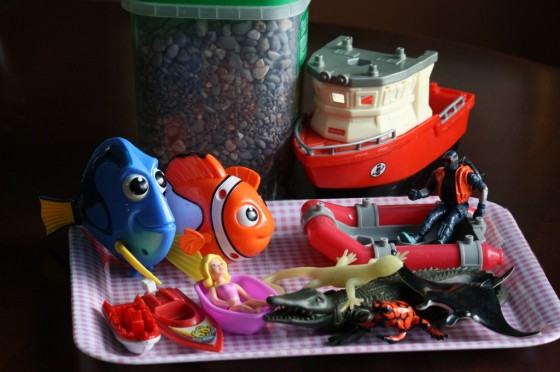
(246, 174)
(188, 167)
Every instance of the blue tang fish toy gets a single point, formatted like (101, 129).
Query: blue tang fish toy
(121, 203)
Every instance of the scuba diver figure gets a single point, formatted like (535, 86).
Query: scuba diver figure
(454, 183)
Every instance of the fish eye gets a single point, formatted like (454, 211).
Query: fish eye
(247, 215)
(135, 187)
(160, 179)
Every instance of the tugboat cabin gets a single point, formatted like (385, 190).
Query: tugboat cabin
(360, 94)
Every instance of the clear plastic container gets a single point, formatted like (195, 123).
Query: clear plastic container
(221, 78)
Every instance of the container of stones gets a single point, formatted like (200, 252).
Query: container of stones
(221, 77)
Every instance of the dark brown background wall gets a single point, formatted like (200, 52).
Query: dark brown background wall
(528, 29)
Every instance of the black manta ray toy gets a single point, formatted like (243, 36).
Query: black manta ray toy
(477, 301)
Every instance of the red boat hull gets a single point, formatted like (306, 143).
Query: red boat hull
(183, 321)
(389, 161)
(133, 325)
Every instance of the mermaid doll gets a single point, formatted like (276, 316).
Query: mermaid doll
(223, 292)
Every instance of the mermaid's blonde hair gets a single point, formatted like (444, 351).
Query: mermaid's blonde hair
(205, 269)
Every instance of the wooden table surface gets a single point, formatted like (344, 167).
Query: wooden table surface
(67, 83)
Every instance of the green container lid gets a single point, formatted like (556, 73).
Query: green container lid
(217, 9)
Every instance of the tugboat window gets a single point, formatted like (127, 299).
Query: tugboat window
(338, 98)
(366, 100)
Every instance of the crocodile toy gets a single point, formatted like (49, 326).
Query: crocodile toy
(311, 308)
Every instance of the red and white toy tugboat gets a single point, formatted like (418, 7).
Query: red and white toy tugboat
(378, 119)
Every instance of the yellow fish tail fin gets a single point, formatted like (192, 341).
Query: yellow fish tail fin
(188, 264)
(56, 214)
(246, 174)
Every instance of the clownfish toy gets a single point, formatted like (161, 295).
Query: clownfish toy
(121, 203)
(216, 210)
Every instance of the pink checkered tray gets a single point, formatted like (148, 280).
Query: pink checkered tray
(97, 276)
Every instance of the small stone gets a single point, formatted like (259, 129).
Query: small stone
(260, 26)
(263, 45)
(172, 51)
(156, 60)
(201, 27)
(227, 42)
(219, 53)
(158, 46)
(271, 26)
(275, 43)
(254, 34)
(260, 70)
(241, 28)
(182, 56)
(180, 39)
(226, 29)
(284, 24)
(235, 61)
(198, 126)
(229, 145)
(273, 55)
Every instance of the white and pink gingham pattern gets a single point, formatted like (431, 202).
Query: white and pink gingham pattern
(98, 276)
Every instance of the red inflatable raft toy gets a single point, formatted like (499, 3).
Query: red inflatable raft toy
(370, 231)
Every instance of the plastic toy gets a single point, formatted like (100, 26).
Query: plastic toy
(323, 309)
(223, 292)
(474, 301)
(400, 315)
(182, 320)
(343, 275)
(121, 203)
(454, 182)
(133, 325)
(235, 321)
(371, 231)
(217, 211)
(378, 119)
(221, 296)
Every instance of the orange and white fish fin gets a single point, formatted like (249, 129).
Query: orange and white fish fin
(192, 241)
(188, 167)
(56, 214)
(246, 174)
(187, 263)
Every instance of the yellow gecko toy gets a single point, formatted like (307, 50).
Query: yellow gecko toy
(344, 275)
